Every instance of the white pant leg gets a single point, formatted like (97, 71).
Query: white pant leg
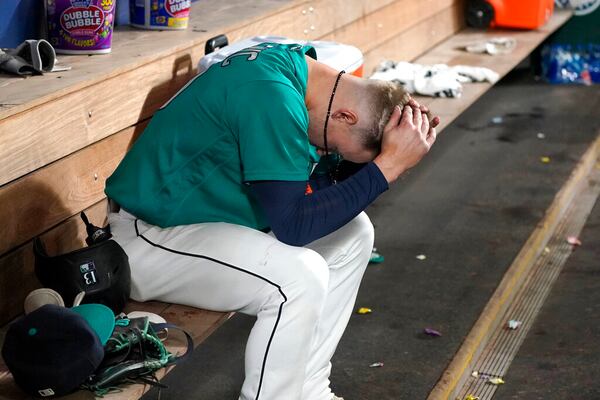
(226, 267)
(347, 252)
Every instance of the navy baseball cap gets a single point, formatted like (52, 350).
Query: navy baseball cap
(53, 350)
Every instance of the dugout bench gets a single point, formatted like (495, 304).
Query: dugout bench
(63, 134)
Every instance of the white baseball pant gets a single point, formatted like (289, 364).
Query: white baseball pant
(302, 296)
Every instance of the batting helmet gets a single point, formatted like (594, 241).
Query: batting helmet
(101, 270)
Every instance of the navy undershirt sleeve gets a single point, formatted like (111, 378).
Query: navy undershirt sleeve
(298, 218)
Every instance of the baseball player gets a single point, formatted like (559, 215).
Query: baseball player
(246, 193)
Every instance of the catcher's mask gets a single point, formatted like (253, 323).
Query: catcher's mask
(101, 270)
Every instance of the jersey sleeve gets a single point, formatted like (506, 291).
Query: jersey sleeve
(298, 218)
(271, 123)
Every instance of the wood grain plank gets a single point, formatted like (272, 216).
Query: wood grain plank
(87, 116)
(42, 199)
(197, 322)
(372, 30)
(311, 20)
(418, 39)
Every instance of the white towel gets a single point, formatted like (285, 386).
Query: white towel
(437, 80)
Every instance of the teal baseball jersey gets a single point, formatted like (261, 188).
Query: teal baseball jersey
(242, 120)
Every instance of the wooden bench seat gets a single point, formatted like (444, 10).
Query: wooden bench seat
(62, 135)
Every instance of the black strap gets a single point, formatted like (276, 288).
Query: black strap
(115, 374)
(190, 341)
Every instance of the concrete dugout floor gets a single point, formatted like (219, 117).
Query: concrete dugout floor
(469, 207)
(561, 355)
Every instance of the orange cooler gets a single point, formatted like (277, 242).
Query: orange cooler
(523, 14)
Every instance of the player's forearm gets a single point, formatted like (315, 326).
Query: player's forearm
(298, 220)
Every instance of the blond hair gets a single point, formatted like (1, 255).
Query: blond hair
(380, 98)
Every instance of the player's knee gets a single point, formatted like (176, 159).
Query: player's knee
(310, 282)
(364, 233)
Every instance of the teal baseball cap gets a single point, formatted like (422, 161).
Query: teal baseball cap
(52, 350)
(100, 318)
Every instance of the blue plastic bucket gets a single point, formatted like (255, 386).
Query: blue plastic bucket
(160, 14)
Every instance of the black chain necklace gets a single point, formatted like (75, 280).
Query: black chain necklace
(333, 176)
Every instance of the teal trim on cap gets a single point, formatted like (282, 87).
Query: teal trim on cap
(99, 317)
